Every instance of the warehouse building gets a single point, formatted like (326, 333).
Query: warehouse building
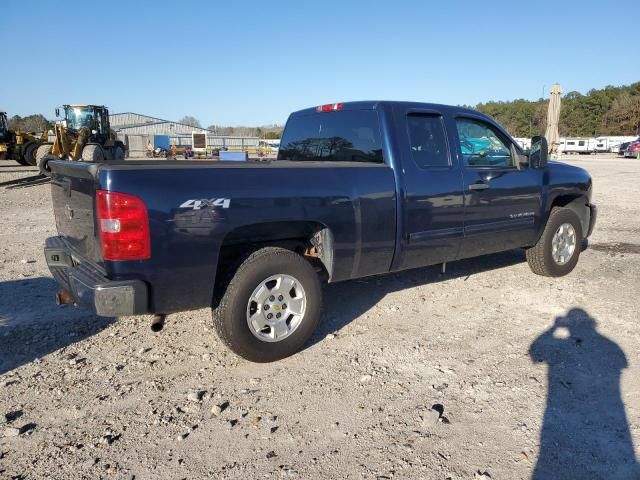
(135, 123)
(136, 130)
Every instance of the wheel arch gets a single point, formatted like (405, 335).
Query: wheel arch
(579, 204)
(311, 239)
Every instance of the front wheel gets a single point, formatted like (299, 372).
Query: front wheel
(270, 306)
(43, 155)
(556, 253)
(92, 153)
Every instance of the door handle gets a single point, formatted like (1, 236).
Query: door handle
(478, 186)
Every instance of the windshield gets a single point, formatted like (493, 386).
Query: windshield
(78, 117)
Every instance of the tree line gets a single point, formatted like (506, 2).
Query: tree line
(267, 132)
(38, 123)
(32, 123)
(607, 111)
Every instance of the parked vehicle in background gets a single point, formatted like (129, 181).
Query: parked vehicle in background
(158, 152)
(623, 147)
(357, 189)
(19, 146)
(632, 150)
(578, 145)
(83, 134)
(602, 145)
(185, 151)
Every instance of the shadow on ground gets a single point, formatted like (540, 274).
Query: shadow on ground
(585, 433)
(32, 325)
(345, 301)
(31, 181)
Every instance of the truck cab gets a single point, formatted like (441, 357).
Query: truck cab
(464, 187)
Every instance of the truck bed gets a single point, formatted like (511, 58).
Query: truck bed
(195, 207)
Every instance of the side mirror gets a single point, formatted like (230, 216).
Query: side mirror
(57, 112)
(539, 152)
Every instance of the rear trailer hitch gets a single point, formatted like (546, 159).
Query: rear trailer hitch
(64, 298)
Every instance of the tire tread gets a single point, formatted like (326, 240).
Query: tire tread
(537, 255)
(228, 289)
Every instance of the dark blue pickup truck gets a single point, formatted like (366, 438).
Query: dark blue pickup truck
(358, 189)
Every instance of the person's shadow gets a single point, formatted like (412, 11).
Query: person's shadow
(585, 433)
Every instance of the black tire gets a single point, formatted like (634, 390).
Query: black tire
(232, 300)
(118, 153)
(21, 161)
(92, 153)
(43, 155)
(29, 154)
(540, 256)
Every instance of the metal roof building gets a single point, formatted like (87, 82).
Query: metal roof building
(137, 124)
(136, 130)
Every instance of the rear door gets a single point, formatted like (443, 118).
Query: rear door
(502, 198)
(433, 201)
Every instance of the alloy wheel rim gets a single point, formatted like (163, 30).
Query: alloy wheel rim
(563, 244)
(276, 308)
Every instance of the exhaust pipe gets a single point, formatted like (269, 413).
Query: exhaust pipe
(64, 298)
(157, 322)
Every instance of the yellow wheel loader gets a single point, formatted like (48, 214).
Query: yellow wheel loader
(18, 146)
(83, 134)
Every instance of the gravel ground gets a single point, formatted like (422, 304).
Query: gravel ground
(487, 371)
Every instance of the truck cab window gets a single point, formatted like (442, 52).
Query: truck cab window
(427, 141)
(481, 145)
(346, 136)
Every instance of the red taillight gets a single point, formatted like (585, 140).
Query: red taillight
(124, 226)
(330, 107)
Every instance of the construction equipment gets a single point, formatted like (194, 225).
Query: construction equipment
(19, 146)
(4, 137)
(84, 134)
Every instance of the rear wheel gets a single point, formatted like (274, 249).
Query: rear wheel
(558, 250)
(118, 153)
(92, 153)
(22, 161)
(43, 155)
(29, 154)
(270, 305)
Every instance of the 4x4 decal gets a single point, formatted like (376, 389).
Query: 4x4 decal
(203, 203)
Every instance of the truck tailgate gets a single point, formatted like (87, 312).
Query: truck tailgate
(73, 187)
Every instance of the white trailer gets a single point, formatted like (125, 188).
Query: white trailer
(581, 145)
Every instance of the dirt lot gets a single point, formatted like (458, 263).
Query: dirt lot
(529, 376)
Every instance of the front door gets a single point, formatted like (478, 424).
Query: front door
(502, 198)
(433, 207)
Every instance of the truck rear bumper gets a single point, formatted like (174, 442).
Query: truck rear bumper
(90, 288)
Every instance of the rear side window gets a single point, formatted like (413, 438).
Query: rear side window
(344, 136)
(427, 141)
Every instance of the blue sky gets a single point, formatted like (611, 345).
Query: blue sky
(251, 62)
